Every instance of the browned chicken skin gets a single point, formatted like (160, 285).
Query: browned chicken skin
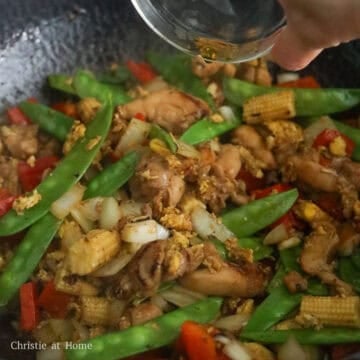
(172, 109)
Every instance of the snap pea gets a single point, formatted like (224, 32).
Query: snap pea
(277, 280)
(68, 171)
(53, 122)
(325, 336)
(205, 130)
(113, 177)
(118, 76)
(349, 273)
(308, 102)
(157, 132)
(176, 69)
(27, 256)
(62, 83)
(152, 335)
(256, 215)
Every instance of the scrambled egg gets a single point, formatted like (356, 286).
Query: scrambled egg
(25, 202)
(77, 132)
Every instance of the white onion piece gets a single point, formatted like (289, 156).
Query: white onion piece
(291, 350)
(110, 214)
(232, 322)
(130, 209)
(91, 208)
(276, 235)
(286, 77)
(62, 206)
(235, 351)
(156, 85)
(160, 302)
(50, 354)
(114, 265)
(143, 232)
(180, 296)
(312, 131)
(134, 135)
(227, 112)
(187, 150)
(62, 328)
(207, 225)
(117, 308)
(83, 221)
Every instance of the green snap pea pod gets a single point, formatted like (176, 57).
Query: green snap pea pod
(256, 215)
(205, 130)
(349, 273)
(53, 122)
(157, 132)
(27, 256)
(325, 336)
(68, 171)
(62, 83)
(117, 76)
(176, 69)
(154, 334)
(277, 280)
(308, 102)
(353, 134)
(113, 177)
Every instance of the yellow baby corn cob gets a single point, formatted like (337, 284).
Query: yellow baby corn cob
(95, 310)
(274, 106)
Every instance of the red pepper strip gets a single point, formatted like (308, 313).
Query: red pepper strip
(140, 116)
(307, 82)
(6, 201)
(143, 72)
(17, 117)
(67, 108)
(252, 183)
(53, 301)
(29, 316)
(340, 352)
(197, 342)
(331, 204)
(329, 135)
(274, 189)
(290, 221)
(31, 176)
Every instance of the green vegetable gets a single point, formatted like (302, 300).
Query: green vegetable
(157, 132)
(309, 102)
(325, 336)
(176, 69)
(353, 134)
(277, 280)
(152, 335)
(53, 122)
(117, 76)
(250, 218)
(349, 273)
(205, 130)
(68, 171)
(113, 177)
(62, 83)
(355, 258)
(27, 256)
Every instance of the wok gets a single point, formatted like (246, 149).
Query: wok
(38, 37)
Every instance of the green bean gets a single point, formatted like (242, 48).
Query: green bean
(68, 171)
(256, 215)
(157, 132)
(176, 69)
(152, 335)
(349, 273)
(113, 177)
(205, 130)
(308, 102)
(27, 256)
(325, 336)
(62, 83)
(53, 122)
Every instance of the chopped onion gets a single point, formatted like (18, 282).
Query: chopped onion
(276, 235)
(130, 209)
(291, 350)
(50, 354)
(156, 85)
(144, 232)
(114, 266)
(207, 225)
(117, 308)
(235, 351)
(62, 206)
(110, 214)
(227, 112)
(83, 221)
(91, 208)
(289, 243)
(63, 329)
(286, 77)
(187, 150)
(312, 131)
(232, 322)
(70, 233)
(180, 296)
(134, 135)
(160, 302)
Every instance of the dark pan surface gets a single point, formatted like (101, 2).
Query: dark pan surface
(38, 37)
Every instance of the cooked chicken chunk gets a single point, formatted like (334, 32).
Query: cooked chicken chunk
(174, 110)
(228, 162)
(9, 175)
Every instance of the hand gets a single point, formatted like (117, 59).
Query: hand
(313, 25)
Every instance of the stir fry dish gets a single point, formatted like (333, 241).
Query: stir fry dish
(177, 209)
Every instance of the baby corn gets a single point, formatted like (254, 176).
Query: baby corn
(95, 310)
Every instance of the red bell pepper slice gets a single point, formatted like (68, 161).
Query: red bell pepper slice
(53, 301)
(197, 342)
(331, 204)
(252, 183)
(31, 176)
(140, 116)
(67, 108)
(329, 135)
(307, 82)
(29, 312)
(274, 189)
(6, 201)
(17, 117)
(340, 352)
(143, 72)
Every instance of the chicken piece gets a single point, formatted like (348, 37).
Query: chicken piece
(154, 181)
(255, 71)
(203, 69)
(317, 254)
(248, 137)
(20, 141)
(246, 281)
(295, 282)
(48, 146)
(154, 263)
(349, 195)
(212, 259)
(174, 110)
(228, 162)
(9, 175)
(349, 239)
